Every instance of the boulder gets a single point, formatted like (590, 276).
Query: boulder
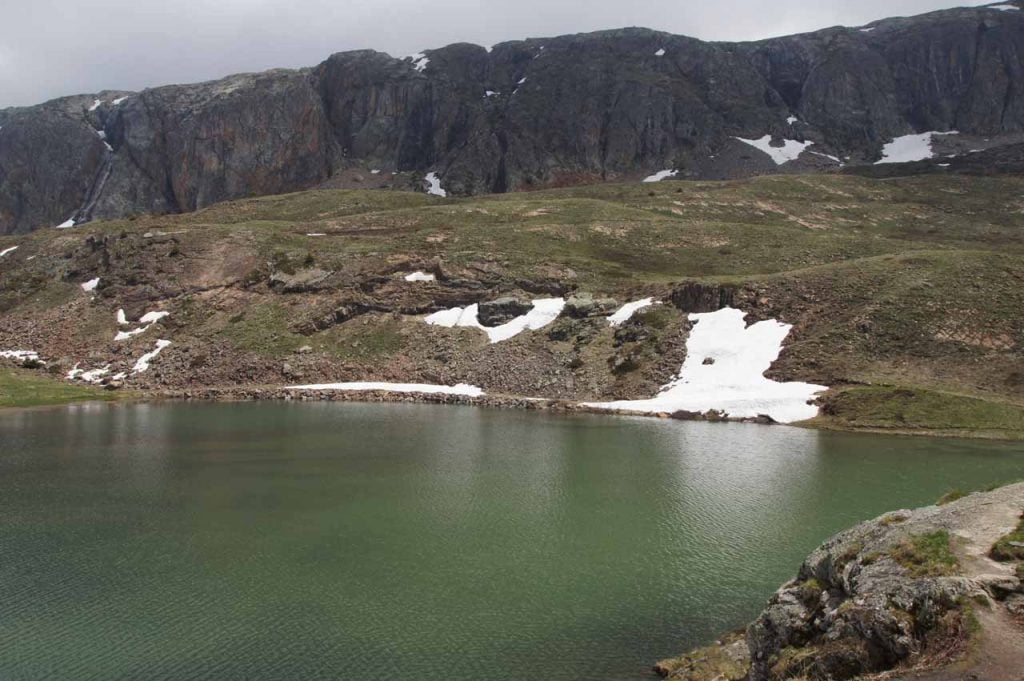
(302, 281)
(583, 305)
(502, 310)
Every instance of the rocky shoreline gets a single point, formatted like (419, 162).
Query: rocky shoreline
(917, 594)
(284, 394)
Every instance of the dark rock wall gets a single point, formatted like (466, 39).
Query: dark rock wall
(580, 108)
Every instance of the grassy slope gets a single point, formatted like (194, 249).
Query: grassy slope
(23, 388)
(915, 283)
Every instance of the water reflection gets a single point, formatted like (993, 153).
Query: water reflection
(258, 541)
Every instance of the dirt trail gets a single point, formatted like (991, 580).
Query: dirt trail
(998, 654)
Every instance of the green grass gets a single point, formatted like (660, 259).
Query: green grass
(263, 329)
(950, 497)
(1005, 551)
(913, 282)
(709, 662)
(915, 409)
(361, 339)
(927, 555)
(26, 388)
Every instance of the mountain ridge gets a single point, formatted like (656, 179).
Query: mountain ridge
(612, 105)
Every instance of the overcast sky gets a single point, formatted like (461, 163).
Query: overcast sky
(50, 48)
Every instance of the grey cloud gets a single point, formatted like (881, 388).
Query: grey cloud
(50, 48)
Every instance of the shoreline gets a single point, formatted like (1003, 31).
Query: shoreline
(512, 402)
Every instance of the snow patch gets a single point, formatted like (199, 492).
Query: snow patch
(153, 317)
(143, 362)
(103, 136)
(420, 61)
(1004, 8)
(867, 30)
(20, 354)
(491, 93)
(317, 234)
(792, 119)
(910, 148)
(91, 285)
(8, 250)
(661, 175)
(95, 105)
(434, 188)
(626, 312)
(375, 172)
(125, 335)
(147, 320)
(120, 100)
(790, 150)
(421, 388)
(724, 371)
(831, 158)
(420, 276)
(544, 312)
(660, 53)
(67, 224)
(95, 375)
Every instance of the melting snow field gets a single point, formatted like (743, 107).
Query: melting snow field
(544, 312)
(661, 175)
(422, 388)
(420, 276)
(724, 371)
(8, 250)
(147, 320)
(626, 312)
(790, 151)
(910, 148)
(435, 185)
(143, 362)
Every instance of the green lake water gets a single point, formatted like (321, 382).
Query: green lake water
(356, 541)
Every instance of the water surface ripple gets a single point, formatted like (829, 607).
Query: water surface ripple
(347, 541)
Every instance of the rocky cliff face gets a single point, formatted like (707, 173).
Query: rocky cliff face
(615, 105)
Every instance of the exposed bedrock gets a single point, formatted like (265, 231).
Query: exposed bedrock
(613, 105)
(909, 589)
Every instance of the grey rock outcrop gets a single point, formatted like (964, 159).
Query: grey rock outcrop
(889, 592)
(497, 312)
(613, 105)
